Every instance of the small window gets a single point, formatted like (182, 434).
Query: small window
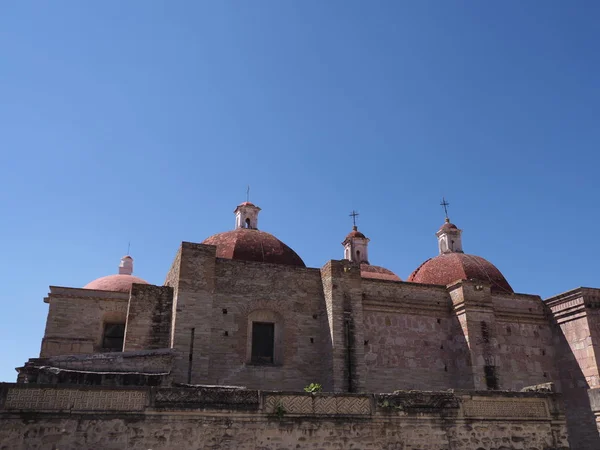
(491, 379)
(113, 337)
(485, 332)
(263, 342)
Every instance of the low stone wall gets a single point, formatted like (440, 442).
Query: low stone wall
(144, 367)
(78, 417)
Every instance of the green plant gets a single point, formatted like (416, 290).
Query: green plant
(280, 410)
(313, 387)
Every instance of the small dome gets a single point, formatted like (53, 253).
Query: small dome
(449, 267)
(447, 227)
(377, 273)
(120, 282)
(247, 204)
(117, 283)
(253, 245)
(355, 233)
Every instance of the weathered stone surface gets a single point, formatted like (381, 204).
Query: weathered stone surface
(279, 420)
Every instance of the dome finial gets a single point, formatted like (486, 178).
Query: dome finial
(126, 265)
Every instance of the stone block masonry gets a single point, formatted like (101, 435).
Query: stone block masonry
(76, 417)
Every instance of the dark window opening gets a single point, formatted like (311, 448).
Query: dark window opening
(485, 332)
(491, 380)
(358, 255)
(263, 342)
(247, 222)
(114, 334)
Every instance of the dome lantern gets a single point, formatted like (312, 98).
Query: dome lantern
(246, 216)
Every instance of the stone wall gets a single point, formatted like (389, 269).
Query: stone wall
(147, 367)
(290, 296)
(38, 417)
(411, 340)
(594, 398)
(523, 332)
(149, 314)
(76, 319)
(573, 315)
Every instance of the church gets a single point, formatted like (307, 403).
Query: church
(448, 358)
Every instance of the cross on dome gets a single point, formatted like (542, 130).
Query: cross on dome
(445, 205)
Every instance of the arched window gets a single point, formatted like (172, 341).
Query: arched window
(247, 222)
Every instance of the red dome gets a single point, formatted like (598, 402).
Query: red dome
(377, 273)
(355, 233)
(253, 245)
(448, 226)
(119, 283)
(449, 267)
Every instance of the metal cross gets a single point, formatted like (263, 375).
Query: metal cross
(248, 194)
(445, 204)
(353, 214)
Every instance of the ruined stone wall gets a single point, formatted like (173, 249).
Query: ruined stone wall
(148, 318)
(76, 319)
(524, 346)
(185, 418)
(290, 296)
(140, 361)
(411, 339)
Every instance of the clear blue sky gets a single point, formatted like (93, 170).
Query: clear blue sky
(144, 121)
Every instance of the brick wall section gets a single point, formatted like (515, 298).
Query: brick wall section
(411, 341)
(193, 304)
(337, 303)
(148, 318)
(472, 304)
(342, 289)
(130, 418)
(524, 341)
(294, 296)
(76, 319)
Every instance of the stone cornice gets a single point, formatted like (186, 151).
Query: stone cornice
(84, 294)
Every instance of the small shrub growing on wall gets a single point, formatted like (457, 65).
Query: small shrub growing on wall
(313, 387)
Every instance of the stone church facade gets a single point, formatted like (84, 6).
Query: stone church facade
(241, 326)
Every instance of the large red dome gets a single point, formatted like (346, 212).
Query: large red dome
(449, 267)
(118, 282)
(253, 245)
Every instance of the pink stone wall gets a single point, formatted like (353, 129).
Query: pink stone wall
(411, 339)
(524, 354)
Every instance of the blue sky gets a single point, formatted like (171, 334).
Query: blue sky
(144, 121)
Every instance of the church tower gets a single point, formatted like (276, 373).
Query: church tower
(356, 244)
(246, 216)
(449, 238)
